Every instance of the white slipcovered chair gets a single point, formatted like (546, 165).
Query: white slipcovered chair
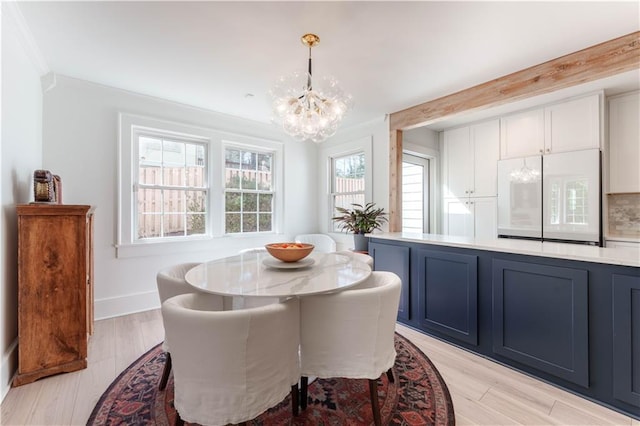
(322, 242)
(350, 334)
(362, 257)
(230, 366)
(325, 244)
(171, 282)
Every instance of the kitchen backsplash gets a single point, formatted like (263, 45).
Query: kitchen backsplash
(624, 215)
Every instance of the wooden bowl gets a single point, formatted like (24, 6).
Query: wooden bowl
(289, 252)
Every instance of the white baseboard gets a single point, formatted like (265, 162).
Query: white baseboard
(124, 305)
(8, 368)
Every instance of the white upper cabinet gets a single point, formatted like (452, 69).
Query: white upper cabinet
(470, 160)
(572, 125)
(458, 163)
(522, 134)
(624, 143)
(485, 142)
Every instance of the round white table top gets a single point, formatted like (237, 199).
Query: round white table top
(260, 274)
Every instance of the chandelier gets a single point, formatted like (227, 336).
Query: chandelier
(307, 110)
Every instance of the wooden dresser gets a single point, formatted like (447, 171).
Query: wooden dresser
(55, 289)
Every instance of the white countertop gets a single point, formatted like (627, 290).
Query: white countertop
(611, 255)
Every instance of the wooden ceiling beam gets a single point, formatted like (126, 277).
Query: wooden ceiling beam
(593, 63)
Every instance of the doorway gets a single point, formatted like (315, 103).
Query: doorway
(415, 194)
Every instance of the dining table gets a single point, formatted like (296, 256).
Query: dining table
(258, 274)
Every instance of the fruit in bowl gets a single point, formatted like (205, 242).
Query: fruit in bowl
(289, 252)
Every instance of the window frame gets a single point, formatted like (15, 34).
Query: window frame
(333, 193)
(226, 144)
(126, 245)
(328, 154)
(140, 131)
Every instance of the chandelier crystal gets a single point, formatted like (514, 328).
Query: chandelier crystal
(307, 110)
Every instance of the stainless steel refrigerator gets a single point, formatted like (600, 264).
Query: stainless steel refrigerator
(554, 197)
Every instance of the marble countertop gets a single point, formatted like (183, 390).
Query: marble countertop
(261, 275)
(611, 255)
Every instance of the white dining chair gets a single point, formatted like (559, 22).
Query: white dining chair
(170, 282)
(322, 242)
(350, 334)
(362, 257)
(230, 366)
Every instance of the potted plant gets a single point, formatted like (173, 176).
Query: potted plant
(360, 220)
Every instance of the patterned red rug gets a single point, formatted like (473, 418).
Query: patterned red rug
(418, 396)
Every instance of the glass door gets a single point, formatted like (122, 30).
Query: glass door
(415, 194)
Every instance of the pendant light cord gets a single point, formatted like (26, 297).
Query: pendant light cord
(309, 74)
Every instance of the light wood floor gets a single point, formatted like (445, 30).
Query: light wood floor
(483, 392)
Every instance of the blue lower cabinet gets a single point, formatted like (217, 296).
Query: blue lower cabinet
(394, 258)
(541, 318)
(448, 286)
(626, 339)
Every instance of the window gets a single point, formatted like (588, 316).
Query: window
(170, 195)
(248, 190)
(182, 186)
(348, 181)
(348, 177)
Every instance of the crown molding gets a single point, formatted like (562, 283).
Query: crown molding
(48, 81)
(25, 37)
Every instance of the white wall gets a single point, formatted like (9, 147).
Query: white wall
(21, 153)
(378, 130)
(80, 128)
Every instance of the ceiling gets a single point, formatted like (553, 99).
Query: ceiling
(224, 56)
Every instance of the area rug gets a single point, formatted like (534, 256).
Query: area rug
(418, 396)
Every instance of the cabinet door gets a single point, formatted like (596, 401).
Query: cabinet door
(448, 285)
(624, 143)
(394, 258)
(485, 217)
(458, 217)
(485, 141)
(626, 338)
(573, 125)
(457, 170)
(522, 134)
(541, 318)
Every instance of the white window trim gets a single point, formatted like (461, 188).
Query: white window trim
(365, 145)
(125, 244)
(275, 148)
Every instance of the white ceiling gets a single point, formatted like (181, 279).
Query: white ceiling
(388, 55)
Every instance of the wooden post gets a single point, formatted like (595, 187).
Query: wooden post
(395, 181)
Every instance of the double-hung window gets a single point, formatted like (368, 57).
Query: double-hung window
(249, 190)
(184, 186)
(349, 176)
(347, 181)
(170, 195)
